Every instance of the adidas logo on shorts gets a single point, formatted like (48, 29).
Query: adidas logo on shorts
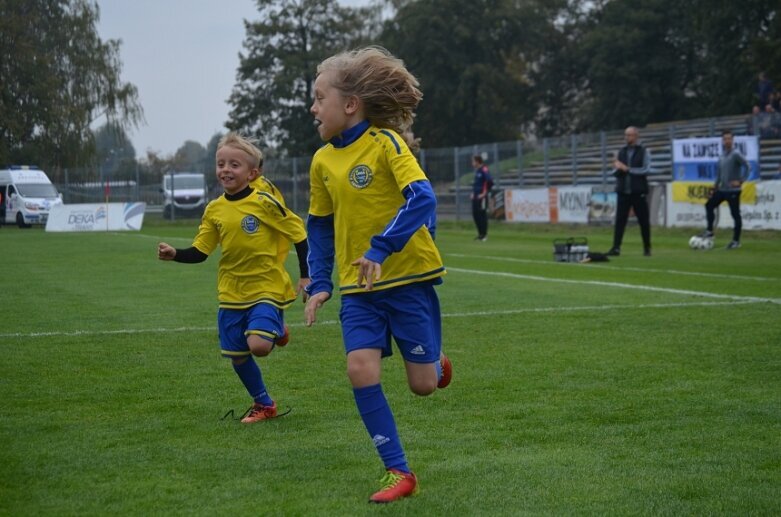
(418, 350)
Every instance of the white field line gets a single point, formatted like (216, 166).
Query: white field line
(586, 308)
(619, 285)
(618, 268)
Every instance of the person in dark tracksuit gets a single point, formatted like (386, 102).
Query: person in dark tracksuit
(632, 165)
(481, 189)
(733, 171)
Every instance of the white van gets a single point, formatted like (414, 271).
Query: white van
(184, 193)
(27, 196)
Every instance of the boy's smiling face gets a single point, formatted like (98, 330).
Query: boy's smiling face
(234, 171)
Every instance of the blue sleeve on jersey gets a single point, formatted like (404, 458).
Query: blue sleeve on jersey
(320, 259)
(420, 209)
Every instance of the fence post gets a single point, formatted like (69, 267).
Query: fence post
(603, 155)
(138, 184)
(295, 184)
(574, 147)
(545, 160)
(519, 154)
(458, 184)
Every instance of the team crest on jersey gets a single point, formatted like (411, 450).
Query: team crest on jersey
(361, 176)
(250, 224)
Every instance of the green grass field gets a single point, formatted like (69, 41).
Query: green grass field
(642, 386)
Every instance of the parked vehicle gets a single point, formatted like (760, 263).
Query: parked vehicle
(184, 193)
(26, 196)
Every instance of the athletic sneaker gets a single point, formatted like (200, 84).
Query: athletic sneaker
(733, 245)
(260, 412)
(447, 372)
(613, 252)
(282, 341)
(395, 485)
(706, 235)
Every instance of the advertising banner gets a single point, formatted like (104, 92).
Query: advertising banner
(699, 192)
(602, 208)
(528, 206)
(99, 217)
(697, 159)
(569, 204)
(764, 214)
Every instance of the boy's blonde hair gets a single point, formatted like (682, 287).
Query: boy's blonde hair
(389, 92)
(243, 143)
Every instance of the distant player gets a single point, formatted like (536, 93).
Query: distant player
(481, 189)
(254, 229)
(370, 202)
(733, 171)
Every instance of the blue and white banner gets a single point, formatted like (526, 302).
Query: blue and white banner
(697, 159)
(98, 217)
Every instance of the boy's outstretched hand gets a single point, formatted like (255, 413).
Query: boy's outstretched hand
(314, 302)
(165, 251)
(367, 270)
(301, 288)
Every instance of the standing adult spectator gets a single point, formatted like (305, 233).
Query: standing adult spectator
(764, 89)
(481, 188)
(732, 172)
(631, 168)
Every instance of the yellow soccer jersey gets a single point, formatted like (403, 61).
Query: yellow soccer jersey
(361, 185)
(254, 233)
(263, 184)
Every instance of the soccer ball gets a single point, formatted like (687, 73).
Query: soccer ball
(700, 243)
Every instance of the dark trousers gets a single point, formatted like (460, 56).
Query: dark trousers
(640, 204)
(480, 215)
(733, 198)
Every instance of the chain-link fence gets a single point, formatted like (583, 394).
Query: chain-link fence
(578, 159)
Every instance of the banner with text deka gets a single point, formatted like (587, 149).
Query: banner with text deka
(97, 217)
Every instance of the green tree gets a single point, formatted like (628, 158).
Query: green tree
(473, 59)
(274, 90)
(57, 77)
(664, 60)
(189, 157)
(114, 153)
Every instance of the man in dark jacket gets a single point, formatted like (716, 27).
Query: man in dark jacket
(632, 165)
(733, 171)
(481, 189)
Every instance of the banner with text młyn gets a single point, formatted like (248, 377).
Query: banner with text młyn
(98, 217)
(697, 159)
(569, 204)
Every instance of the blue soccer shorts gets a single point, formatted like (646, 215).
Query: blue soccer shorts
(234, 325)
(409, 314)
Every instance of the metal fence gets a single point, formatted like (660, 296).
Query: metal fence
(577, 159)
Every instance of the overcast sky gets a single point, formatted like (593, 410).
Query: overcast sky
(183, 56)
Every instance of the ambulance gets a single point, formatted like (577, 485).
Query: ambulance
(27, 196)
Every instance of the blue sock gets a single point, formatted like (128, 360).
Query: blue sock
(378, 419)
(438, 366)
(249, 373)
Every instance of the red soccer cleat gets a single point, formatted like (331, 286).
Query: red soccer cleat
(395, 485)
(447, 372)
(260, 412)
(284, 339)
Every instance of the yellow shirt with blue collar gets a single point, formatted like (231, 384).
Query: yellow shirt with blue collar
(370, 198)
(253, 229)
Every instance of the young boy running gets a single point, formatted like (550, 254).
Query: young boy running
(370, 203)
(254, 230)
